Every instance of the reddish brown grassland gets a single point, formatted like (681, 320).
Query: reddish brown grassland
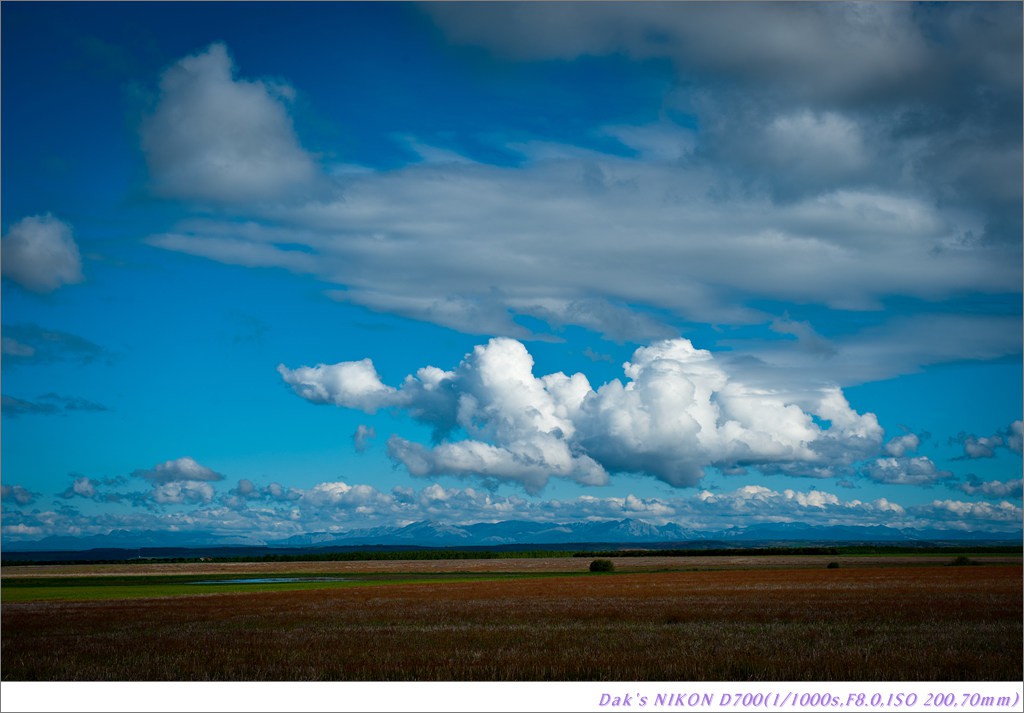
(867, 622)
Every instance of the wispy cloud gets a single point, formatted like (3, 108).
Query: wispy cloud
(821, 190)
(32, 344)
(471, 247)
(363, 436)
(14, 407)
(48, 404)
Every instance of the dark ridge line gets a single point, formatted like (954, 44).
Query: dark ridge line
(356, 553)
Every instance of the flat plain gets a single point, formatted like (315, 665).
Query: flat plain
(788, 618)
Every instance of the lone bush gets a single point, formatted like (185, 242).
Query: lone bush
(832, 565)
(602, 566)
(962, 561)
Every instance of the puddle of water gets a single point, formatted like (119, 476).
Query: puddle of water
(272, 580)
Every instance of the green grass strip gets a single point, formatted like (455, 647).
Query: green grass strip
(31, 589)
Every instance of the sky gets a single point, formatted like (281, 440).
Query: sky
(272, 269)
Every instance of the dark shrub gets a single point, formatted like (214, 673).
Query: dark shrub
(962, 561)
(602, 566)
(832, 565)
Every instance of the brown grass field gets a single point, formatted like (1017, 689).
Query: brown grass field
(906, 620)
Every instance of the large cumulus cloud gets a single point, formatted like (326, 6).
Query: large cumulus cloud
(677, 412)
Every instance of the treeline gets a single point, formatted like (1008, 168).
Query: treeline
(356, 555)
(835, 550)
(366, 556)
(930, 549)
(727, 552)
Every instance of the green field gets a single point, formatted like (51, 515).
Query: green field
(29, 589)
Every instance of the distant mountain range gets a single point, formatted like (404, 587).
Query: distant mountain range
(517, 532)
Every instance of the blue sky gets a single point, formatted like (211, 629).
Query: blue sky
(281, 268)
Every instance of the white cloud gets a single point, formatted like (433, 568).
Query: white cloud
(820, 50)
(808, 339)
(901, 345)
(530, 462)
(177, 492)
(613, 321)
(236, 252)
(981, 447)
(993, 488)
(798, 151)
(181, 469)
(678, 412)
(902, 445)
(83, 487)
(17, 493)
(986, 446)
(213, 137)
(1014, 436)
(918, 470)
(471, 246)
(15, 348)
(22, 530)
(339, 506)
(826, 205)
(967, 515)
(362, 437)
(40, 254)
(245, 489)
(826, 137)
(276, 491)
(655, 142)
(246, 492)
(353, 384)
(756, 503)
(342, 495)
